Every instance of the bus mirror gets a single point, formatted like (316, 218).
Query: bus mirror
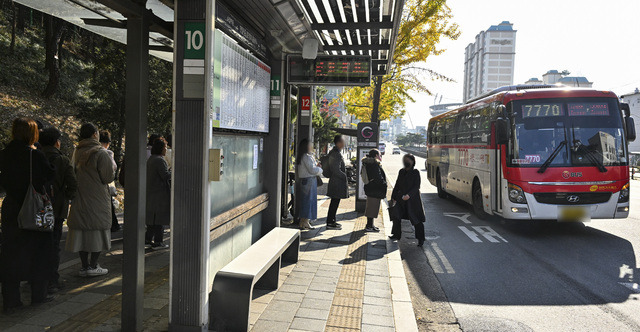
(626, 109)
(501, 110)
(631, 129)
(501, 131)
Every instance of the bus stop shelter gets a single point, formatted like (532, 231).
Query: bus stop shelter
(215, 217)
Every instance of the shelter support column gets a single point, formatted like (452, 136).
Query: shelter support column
(137, 100)
(274, 167)
(189, 274)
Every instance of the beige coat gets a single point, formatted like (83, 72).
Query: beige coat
(91, 208)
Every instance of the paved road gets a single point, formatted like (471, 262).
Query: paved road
(512, 277)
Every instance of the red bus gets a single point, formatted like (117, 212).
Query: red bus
(545, 153)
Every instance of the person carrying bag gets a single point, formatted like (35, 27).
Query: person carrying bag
(375, 186)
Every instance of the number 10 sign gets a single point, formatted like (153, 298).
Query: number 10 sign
(194, 40)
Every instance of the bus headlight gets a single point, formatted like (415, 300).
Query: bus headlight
(624, 194)
(516, 194)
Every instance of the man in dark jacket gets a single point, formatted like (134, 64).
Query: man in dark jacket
(338, 187)
(62, 190)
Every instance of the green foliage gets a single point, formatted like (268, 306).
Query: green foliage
(323, 122)
(411, 139)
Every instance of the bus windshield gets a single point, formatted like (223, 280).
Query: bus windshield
(567, 132)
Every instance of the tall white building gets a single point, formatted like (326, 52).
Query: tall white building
(489, 61)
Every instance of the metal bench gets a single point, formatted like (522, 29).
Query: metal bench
(257, 266)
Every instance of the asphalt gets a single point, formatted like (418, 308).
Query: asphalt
(513, 276)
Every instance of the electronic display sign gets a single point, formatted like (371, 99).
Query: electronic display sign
(329, 70)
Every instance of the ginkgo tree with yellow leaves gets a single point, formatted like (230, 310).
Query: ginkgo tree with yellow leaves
(424, 23)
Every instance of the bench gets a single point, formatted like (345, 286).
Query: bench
(257, 266)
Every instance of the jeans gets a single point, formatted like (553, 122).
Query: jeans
(154, 234)
(333, 209)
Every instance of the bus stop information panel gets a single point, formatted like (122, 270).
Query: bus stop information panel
(329, 70)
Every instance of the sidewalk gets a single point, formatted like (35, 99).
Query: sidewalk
(345, 280)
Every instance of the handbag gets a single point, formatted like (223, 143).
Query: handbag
(319, 180)
(36, 213)
(394, 212)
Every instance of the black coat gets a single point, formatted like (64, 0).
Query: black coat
(25, 254)
(64, 185)
(158, 191)
(338, 187)
(377, 185)
(408, 183)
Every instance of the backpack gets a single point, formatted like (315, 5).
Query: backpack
(326, 169)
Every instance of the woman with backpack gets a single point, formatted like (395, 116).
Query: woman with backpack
(375, 186)
(307, 193)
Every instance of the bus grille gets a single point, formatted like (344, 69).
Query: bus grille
(572, 198)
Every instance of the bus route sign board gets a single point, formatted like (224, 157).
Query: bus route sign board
(367, 134)
(329, 70)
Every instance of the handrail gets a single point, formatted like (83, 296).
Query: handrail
(229, 219)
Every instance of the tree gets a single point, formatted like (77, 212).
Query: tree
(323, 121)
(54, 29)
(424, 23)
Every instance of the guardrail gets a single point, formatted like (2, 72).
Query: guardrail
(416, 151)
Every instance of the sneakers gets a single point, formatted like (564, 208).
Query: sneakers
(82, 272)
(372, 229)
(97, 271)
(159, 246)
(334, 225)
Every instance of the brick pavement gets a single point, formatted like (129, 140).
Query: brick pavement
(345, 280)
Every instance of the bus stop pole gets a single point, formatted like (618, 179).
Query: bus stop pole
(136, 99)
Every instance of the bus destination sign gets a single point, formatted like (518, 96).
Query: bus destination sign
(330, 70)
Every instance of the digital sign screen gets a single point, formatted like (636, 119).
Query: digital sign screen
(542, 110)
(588, 109)
(329, 70)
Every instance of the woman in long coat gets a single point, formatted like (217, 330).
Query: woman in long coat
(158, 195)
(375, 186)
(25, 254)
(406, 193)
(90, 214)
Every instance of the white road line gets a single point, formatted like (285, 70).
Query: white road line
(471, 234)
(464, 217)
(443, 258)
(433, 260)
(489, 234)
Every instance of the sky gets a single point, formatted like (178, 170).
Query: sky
(593, 38)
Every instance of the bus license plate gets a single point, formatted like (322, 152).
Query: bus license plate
(573, 213)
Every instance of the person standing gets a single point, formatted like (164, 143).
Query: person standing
(62, 190)
(158, 195)
(90, 215)
(375, 186)
(308, 171)
(105, 141)
(24, 254)
(338, 187)
(406, 194)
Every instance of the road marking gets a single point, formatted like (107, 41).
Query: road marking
(631, 285)
(438, 260)
(489, 234)
(464, 217)
(471, 234)
(443, 258)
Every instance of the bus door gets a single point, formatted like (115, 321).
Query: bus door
(496, 171)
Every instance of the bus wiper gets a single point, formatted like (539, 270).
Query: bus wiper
(553, 155)
(595, 161)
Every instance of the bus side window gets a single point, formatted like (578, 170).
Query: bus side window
(464, 128)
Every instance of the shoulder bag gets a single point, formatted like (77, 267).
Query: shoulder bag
(36, 213)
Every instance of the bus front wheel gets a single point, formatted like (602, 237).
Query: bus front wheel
(476, 192)
(441, 192)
